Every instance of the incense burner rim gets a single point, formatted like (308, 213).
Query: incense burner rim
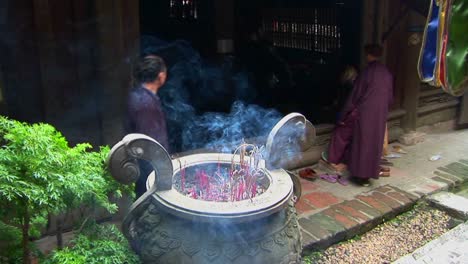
(272, 200)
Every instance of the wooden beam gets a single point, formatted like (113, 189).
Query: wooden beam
(462, 121)
(411, 82)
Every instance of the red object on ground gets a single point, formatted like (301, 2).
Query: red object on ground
(308, 173)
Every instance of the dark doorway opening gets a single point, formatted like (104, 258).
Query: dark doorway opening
(190, 20)
(310, 43)
(287, 57)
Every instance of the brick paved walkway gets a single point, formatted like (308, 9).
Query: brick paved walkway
(330, 212)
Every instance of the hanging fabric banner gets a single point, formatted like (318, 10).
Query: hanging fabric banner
(442, 32)
(428, 53)
(443, 59)
(456, 55)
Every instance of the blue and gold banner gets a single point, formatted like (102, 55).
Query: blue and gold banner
(428, 54)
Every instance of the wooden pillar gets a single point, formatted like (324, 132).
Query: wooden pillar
(118, 46)
(21, 85)
(395, 43)
(66, 44)
(375, 20)
(410, 79)
(67, 63)
(462, 121)
(3, 23)
(2, 100)
(366, 29)
(224, 25)
(47, 44)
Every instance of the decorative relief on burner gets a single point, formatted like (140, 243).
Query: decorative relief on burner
(162, 237)
(131, 170)
(167, 242)
(190, 247)
(251, 249)
(232, 251)
(267, 244)
(136, 152)
(211, 252)
(154, 253)
(281, 239)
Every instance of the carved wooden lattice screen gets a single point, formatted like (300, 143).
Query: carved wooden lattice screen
(314, 29)
(183, 9)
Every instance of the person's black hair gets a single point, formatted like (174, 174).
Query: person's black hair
(148, 68)
(374, 49)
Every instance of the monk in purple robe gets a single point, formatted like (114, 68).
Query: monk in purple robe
(358, 136)
(144, 111)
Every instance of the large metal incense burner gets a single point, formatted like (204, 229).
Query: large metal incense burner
(174, 222)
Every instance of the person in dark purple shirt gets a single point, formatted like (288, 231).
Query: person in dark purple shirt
(144, 110)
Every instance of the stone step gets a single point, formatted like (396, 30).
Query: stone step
(450, 248)
(453, 204)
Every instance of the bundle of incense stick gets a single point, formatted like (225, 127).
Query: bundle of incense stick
(237, 183)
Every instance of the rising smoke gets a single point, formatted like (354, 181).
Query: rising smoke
(207, 106)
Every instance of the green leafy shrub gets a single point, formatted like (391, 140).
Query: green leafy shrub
(41, 175)
(99, 244)
(10, 243)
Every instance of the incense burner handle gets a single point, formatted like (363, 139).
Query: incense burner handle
(123, 166)
(289, 138)
(123, 161)
(297, 186)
